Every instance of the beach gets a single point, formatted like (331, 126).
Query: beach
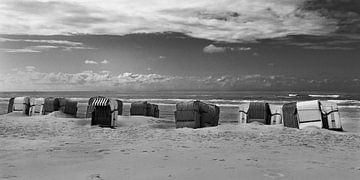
(54, 147)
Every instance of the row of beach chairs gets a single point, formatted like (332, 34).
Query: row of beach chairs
(299, 115)
(102, 111)
(193, 114)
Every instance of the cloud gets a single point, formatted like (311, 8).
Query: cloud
(60, 42)
(228, 20)
(20, 50)
(105, 62)
(42, 45)
(213, 49)
(90, 62)
(29, 78)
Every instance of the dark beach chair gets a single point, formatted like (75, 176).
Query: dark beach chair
(290, 117)
(104, 112)
(51, 104)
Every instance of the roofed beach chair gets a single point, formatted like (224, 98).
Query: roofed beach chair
(290, 116)
(256, 112)
(22, 104)
(6, 105)
(144, 109)
(276, 117)
(196, 114)
(209, 115)
(139, 108)
(187, 114)
(51, 104)
(331, 116)
(104, 112)
(152, 110)
(120, 106)
(70, 107)
(39, 106)
(32, 107)
(309, 114)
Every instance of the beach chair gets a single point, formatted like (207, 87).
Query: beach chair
(243, 109)
(62, 104)
(22, 104)
(187, 114)
(120, 106)
(209, 115)
(6, 105)
(309, 114)
(70, 107)
(152, 110)
(104, 112)
(290, 116)
(139, 108)
(331, 116)
(51, 104)
(276, 117)
(82, 111)
(256, 112)
(32, 107)
(39, 106)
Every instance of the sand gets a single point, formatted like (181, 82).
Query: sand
(49, 147)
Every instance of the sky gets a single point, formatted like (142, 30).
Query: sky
(127, 45)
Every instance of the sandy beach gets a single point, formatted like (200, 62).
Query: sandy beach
(55, 147)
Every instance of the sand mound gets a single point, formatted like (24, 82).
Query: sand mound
(59, 114)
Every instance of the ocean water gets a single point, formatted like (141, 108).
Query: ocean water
(229, 101)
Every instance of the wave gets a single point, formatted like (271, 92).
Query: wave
(325, 95)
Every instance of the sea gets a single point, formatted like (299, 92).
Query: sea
(228, 101)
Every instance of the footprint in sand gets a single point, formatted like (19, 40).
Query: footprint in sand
(95, 177)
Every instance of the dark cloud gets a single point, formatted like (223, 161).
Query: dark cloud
(346, 13)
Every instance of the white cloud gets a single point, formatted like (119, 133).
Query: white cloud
(20, 50)
(226, 20)
(90, 62)
(29, 78)
(61, 42)
(213, 49)
(44, 45)
(104, 61)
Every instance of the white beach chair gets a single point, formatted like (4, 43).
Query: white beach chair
(309, 114)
